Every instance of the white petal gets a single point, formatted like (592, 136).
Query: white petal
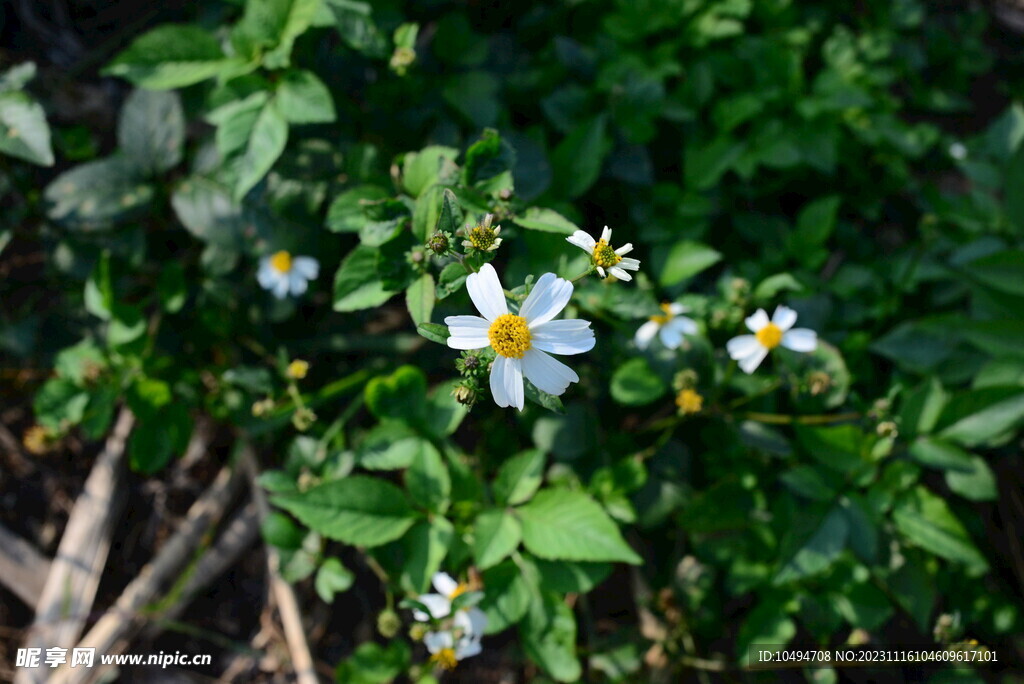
(486, 293)
(784, 317)
(467, 332)
(684, 325)
(468, 648)
(600, 272)
(444, 583)
(630, 264)
(469, 322)
(757, 320)
(645, 333)
(750, 363)
(569, 336)
(547, 299)
(438, 641)
(742, 346)
(620, 274)
(582, 240)
(477, 621)
(439, 607)
(625, 249)
(281, 287)
(266, 275)
(507, 382)
(671, 337)
(606, 234)
(800, 339)
(307, 266)
(297, 283)
(675, 308)
(547, 374)
(468, 343)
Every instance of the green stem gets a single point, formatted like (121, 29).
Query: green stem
(583, 275)
(788, 419)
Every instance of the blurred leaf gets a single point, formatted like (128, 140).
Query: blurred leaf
(207, 210)
(425, 546)
(435, 332)
(419, 299)
(1003, 271)
(922, 407)
(24, 131)
(304, 99)
(372, 663)
(451, 280)
(1013, 195)
(346, 213)
(156, 440)
(939, 454)
(806, 481)
(768, 624)
(59, 404)
(686, 259)
(568, 525)
(433, 164)
(976, 484)
(96, 194)
(549, 638)
(519, 477)
(569, 577)
(706, 163)
(355, 25)
(357, 284)
(496, 534)
(333, 578)
(473, 94)
(401, 395)
(279, 530)
(988, 423)
(151, 130)
(266, 143)
(635, 384)
(172, 288)
(770, 287)
(576, 162)
(926, 521)
(819, 551)
(509, 592)
(358, 510)
(428, 481)
(547, 220)
(172, 56)
(543, 399)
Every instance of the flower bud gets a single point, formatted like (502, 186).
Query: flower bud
(464, 394)
(388, 623)
(439, 243)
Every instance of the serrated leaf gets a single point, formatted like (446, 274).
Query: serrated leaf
(549, 638)
(425, 546)
(568, 525)
(496, 534)
(151, 130)
(358, 510)
(172, 56)
(926, 521)
(519, 477)
(24, 131)
(266, 143)
(304, 99)
(428, 481)
(357, 284)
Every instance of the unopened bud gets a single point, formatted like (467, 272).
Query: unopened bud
(388, 623)
(465, 395)
(439, 243)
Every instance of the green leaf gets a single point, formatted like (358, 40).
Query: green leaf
(814, 224)
(686, 259)
(59, 404)
(358, 510)
(519, 477)
(372, 663)
(346, 213)
(819, 551)
(99, 289)
(510, 589)
(207, 210)
(549, 638)
(428, 481)
(568, 577)
(922, 408)
(939, 454)
(304, 99)
(24, 131)
(435, 332)
(990, 422)
(355, 25)
(97, 194)
(1013, 190)
(578, 158)
(333, 578)
(496, 534)
(635, 384)
(425, 546)
(127, 324)
(706, 163)
(543, 399)
(357, 284)
(172, 288)
(79, 362)
(451, 280)
(279, 530)
(926, 521)
(266, 143)
(270, 27)
(771, 286)
(431, 165)
(151, 130)
(977, 484)
(767, 624)
(155, 440)
(381, 451)
(547, 220)
(450, 219)
(419, 299)
(1003, 271)
(171, 56)
(568, 525)
(806, 481)
(17, 77)
(401, 395)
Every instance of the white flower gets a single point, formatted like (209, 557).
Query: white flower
(462, 641)
(439, 604)
(750, 350)
(669, 326)
(604, 256)
(283, 274)
(958, 151)
(521, 341)
(483, 238)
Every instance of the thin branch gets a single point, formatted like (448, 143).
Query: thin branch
(23, 570)
(74, 577)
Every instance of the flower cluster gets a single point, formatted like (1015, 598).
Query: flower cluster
(455, 632)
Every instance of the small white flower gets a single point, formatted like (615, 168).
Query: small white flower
(604, 256)
(439, 604)
(521, 341)
(958, 151)
(669, 326)
(462, 641)
(283, 274)
(483, 238)
(750, 350)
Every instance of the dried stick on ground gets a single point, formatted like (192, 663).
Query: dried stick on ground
(23, 570)
(119, 625)
(287, 605)
(70, 587)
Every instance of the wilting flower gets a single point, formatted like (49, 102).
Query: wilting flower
(521, 340)
(604, 256)
(483, 237)
(689, 401)
(750, 350)
(669, 326)
(448, 647)
(283, 274)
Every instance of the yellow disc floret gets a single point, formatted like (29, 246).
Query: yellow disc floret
(770, 336)
(445, 658)
(482, 238)
(604, 255)
(664, 317)
(510, 336)
(298, 369)
(689, 401)
(281, 261)
(458, 591)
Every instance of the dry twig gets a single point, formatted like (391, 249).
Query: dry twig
(23, 570)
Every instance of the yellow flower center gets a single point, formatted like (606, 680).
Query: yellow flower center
(666, 316)
(281, 261)
(604, 255)
(458, 591)
(769, 336)
(482, 238)
(689, 401)
(297, 369)
(509, 336)
(445, 658)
